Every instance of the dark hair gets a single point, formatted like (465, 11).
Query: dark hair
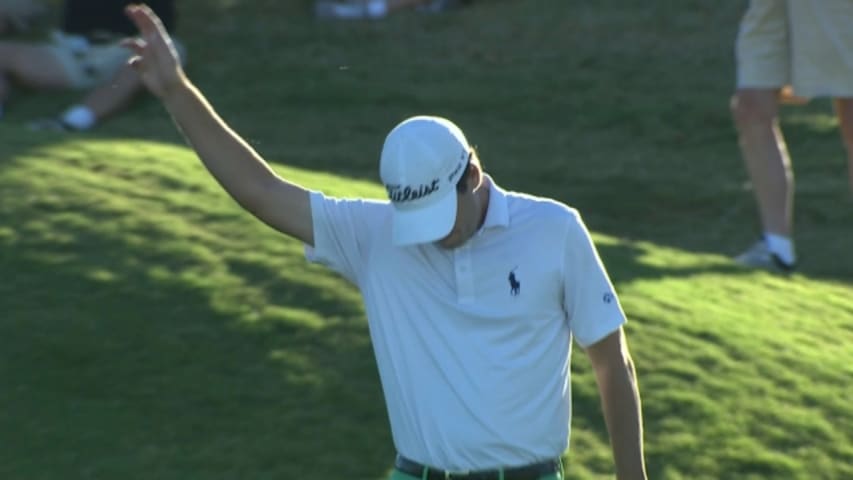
(462, 184)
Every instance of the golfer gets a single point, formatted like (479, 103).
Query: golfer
(473, 294)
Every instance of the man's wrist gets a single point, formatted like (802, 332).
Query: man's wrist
(178, 90)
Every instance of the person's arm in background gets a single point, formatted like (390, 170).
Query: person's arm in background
(620, 401)
(283, 205)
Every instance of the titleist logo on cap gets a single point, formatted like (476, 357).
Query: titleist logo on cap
(408, 193)
(455, 170)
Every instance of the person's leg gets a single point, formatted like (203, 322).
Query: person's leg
(768, 164)
(763, 68)
(104, 100)
(32, 66)
(109, 98)
(766, 156)
(844, 109)
(113, 85)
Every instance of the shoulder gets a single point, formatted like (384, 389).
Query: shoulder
(542, 211)
(367, 206)
(555, 225)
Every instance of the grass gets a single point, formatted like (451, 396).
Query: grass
(151, 329)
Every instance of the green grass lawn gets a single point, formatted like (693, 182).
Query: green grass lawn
(150, 329)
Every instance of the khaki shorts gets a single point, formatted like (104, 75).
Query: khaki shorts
(88, 65)
(804, 43)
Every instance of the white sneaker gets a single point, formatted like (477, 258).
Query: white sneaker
(759, 256)
(343, 10)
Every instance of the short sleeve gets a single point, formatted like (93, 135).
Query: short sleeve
(590, 300)
(343, 232)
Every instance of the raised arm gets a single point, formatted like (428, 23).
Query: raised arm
(620, 400)
(240, 170)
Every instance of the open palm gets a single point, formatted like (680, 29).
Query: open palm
(156, 59)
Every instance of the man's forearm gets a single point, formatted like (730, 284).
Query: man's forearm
(622, 411)
(232, 161)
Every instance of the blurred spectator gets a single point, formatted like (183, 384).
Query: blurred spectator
(17, 15)
(806, 45)
(375, 9)
(85, 53)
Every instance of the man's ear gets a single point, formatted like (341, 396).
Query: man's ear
(475, 176)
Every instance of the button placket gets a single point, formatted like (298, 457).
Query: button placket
(463, 263)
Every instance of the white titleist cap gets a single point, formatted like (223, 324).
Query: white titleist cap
(422, 161)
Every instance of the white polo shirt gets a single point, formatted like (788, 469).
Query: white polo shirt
(473, 344)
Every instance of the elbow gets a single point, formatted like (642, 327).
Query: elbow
(618, 368)
(611, 359)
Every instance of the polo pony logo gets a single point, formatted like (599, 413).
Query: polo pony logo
(514, 284)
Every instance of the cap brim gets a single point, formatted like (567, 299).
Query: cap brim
(424, 225)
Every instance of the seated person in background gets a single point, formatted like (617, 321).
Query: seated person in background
(374, 9)
(16, 15)
(84, 54)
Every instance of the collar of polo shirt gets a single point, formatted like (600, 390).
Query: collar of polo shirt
(422, 159)
(497, 214)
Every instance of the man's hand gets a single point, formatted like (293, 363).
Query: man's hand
(156, 58)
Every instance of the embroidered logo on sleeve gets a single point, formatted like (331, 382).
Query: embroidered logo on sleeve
(608, 297)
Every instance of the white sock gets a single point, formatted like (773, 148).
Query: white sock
(377, 8)
(79, 117)
(782, 246)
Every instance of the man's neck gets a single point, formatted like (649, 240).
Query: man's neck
(483, 192)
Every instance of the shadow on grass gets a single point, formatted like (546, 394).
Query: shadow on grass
(661, 166)
(146, 334)
(151, 353)
(136, 356)
(625, 263)
(133, 374)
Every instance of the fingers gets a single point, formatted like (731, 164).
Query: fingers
(145, 20)
(135, 62)
(155, 37)
(142, 22)
(136, 44)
